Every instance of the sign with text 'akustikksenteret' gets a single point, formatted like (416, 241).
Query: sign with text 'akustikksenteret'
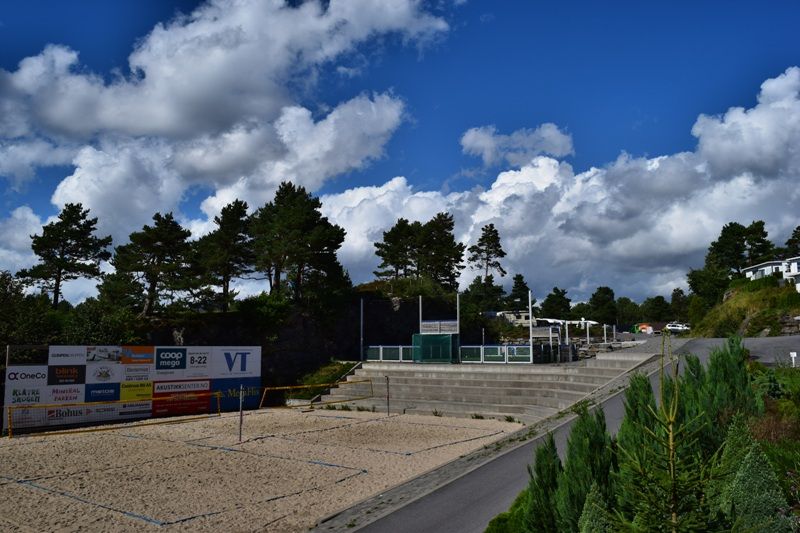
(132, 375)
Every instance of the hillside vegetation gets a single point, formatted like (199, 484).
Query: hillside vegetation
(751, 309)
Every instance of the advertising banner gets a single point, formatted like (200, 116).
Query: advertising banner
(66, 355)
(66, 375)
(236, 362)
(136, 355)
(102, 392)
(135, 410)
(108, 372)
(170, 363)
(66, 394)
(25, 385)
(144, 381)
(136, 390)
(137, 372)
(229, 390)
(180, 397)
(103, 354)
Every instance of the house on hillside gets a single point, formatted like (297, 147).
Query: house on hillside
(788, 269)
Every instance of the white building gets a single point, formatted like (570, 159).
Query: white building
(788, 268)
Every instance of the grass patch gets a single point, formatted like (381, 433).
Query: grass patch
(753, 308)
(328, 373)
(477, 416)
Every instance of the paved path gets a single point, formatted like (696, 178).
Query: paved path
(467, 503)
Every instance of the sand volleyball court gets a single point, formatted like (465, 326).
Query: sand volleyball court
(292, 469)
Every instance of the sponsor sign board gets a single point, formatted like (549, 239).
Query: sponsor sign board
(65, 415)
(66, 394)
(236, 362)
(66, 375)
(229, 392)
(102, 392)
(181, 397)
(103, 354)
(197, 361)
(108, 372)
(129, 410)
(136, 390)
(138, 372)
(98, 376)
(25, 385)
(66, 355)
(136, 354)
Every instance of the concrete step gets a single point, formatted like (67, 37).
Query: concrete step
(527, 414)
(577, 386)
(514, 396)
(579, 373)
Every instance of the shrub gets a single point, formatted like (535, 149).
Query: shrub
(757, 502)
(544, 475)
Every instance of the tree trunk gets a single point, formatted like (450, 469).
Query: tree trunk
(225, 291)
(56, 289)
(149, 301)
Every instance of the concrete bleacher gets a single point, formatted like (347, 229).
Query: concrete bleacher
(525, 392)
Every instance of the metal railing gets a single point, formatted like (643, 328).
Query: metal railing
(401, 354)
(496, 354)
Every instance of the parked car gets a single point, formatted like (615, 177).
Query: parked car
(677, 327)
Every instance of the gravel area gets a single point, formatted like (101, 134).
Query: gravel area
(292, 469)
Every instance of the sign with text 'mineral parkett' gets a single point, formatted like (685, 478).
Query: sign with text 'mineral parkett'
(87, 384)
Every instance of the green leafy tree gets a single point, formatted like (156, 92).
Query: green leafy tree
(226, 253)
(398, 250)
(293, 242)
(656, 309)
(679, 304)
(588, 461)
(757, 503)
(121, 290)
(158, 257)
(67, 250)
(793, 243)
(440, 255)
(556, 304)
(709, 283)
(488, 251)
(728, 251)
(484, 295)
(518, 297)
(595, 517)
(580, 311)
(628, 312)
(758, 248)
(544, 475)
(12, 299)
(92, 322)
(603, 306)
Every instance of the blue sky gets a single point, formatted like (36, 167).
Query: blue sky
(629, 78)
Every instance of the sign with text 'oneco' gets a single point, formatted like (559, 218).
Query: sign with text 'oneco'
(131, 376)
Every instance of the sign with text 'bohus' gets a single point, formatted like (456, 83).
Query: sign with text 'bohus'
(133, 375)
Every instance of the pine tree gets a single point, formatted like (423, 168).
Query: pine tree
(602, 306)
(158, 256)
(556, 304)
(728, 252)
(757, 503)
(439, 254)
(518, 297)
(293, 242)
(226, 253)
(398, 250)
(634, 435)
(758, 247)
(793, 243)
(588, 461)
(488, 251)
(67, 250)
(737, 444)
(594, 517)
(667, 489)
(541, 515)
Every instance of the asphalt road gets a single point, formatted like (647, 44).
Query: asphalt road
(468, 503)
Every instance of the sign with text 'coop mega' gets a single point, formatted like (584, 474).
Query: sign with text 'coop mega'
(90, 384)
